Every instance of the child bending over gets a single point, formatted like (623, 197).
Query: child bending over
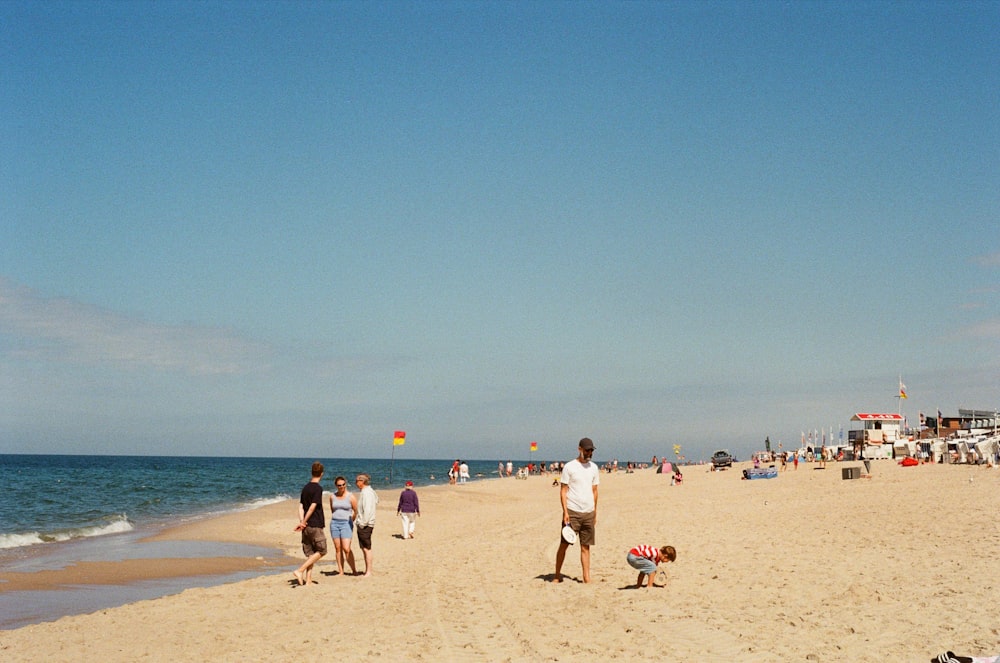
(645, 558)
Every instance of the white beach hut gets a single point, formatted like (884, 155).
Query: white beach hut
(879, 433)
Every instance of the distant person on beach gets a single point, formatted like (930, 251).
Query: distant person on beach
(645, 559)
(408, 509)
(510, 468)
(463, 472)
(311, 524)
(367, 502)
(343, 513)
(453, 472)
(578, 497)
(500, 469)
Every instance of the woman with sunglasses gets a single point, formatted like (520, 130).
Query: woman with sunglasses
(343, 509)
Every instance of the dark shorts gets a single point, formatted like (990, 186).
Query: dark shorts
(583, 525)
(365, 536)
(313, 541)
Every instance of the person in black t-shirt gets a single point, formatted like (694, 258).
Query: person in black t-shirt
(311, 524)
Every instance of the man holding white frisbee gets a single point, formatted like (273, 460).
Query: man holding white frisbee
(578, 496)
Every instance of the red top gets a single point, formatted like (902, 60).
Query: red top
(651, 553)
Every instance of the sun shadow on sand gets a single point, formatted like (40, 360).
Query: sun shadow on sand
(550, 577)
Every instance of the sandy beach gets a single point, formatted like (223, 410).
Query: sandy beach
(804, 567)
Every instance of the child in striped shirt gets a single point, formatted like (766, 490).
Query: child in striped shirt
(645, 558)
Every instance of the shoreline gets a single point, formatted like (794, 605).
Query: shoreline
(804, 566)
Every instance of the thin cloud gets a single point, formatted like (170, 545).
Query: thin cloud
(989, 329)
(61, 329)
(988, 260)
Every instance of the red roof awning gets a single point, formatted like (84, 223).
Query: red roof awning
(876, 416)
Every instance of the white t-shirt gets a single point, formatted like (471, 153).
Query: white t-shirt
(581, 479)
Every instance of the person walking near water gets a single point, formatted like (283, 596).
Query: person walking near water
(578, 497)
(367, 501)
(408, 509)
(343, 513)
(312, 520)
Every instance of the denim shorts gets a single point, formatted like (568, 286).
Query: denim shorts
(341, 529)
(643, 564)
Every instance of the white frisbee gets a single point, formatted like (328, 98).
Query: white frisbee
(568, 535)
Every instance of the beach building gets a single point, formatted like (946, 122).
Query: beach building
(974, 439)
(971, 437)
(878, 435)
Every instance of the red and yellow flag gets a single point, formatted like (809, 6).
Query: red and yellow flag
(399, 439)
(534, 446)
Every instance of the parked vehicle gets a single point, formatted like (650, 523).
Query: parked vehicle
(722, 458)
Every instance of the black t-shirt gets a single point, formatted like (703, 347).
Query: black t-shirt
(312, 493)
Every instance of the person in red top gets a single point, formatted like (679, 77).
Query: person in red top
(645, 558)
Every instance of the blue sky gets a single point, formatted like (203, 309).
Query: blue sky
(293, 228)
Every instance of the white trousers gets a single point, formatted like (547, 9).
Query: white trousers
(409, 524)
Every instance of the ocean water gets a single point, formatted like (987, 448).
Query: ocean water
(58, 510)
(56, 498)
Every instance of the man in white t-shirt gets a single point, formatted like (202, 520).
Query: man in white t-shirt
(578, 496)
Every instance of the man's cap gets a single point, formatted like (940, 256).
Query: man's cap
(409, 483)
(587, 444)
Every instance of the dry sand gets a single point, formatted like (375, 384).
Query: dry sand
(804, 567)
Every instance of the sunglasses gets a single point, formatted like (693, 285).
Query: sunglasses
(341, 485)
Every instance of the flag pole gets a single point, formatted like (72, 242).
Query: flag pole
(398, 440)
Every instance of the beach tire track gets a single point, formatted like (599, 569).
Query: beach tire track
(509, 633)
(508, 629)
(447, 650)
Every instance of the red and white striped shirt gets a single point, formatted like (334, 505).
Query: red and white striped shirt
(649, 552)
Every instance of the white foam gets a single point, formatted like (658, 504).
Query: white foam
(18, 540)
(116, 526)
(265, 501)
